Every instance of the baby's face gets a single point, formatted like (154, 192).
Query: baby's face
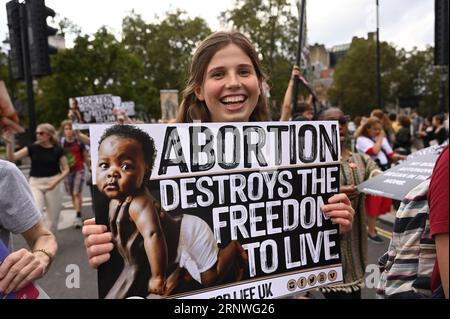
(120, 168)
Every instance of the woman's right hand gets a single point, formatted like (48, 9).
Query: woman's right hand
(341, 212)
(98, 242)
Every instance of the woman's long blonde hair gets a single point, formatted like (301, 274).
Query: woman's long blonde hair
(50, 131)
(363, 130)
(191, 107)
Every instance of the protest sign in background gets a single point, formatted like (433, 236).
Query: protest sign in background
(398, 181)
(261, 184)
(129, 108)
(94, 109)
(169, 104)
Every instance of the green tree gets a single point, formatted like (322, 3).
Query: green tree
(418, 76)
(404, 74)
(354, 87)
(165, 50)
(67, 26)
(96, 65)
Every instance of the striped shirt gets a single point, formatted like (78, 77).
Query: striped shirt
(407, 266)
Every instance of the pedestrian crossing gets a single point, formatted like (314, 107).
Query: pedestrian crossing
(68, 213)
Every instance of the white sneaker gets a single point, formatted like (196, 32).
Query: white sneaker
(78, 223)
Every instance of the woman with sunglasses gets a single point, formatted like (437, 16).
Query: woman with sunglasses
(48, 168)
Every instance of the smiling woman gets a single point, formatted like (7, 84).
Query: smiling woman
(224, 85)
(225, 82)
(230, 88)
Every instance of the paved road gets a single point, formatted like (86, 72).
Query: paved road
(70, 276)
(62, 281)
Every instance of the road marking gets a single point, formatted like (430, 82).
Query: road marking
(86, 202)
(384, 233)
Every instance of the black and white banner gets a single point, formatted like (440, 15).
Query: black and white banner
(260, 185)
(93, 109)
(398, 181)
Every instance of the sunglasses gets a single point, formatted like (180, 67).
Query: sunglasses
(40, 133)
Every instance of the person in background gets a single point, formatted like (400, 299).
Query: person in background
(76, 155)
(304, 110)
(371, 140)
(403, 136)
(386, 125)
(394, 123)
(417, 123)
(416, 263)
(19, 215)
(75, 115)
(440, 134)
(48, 168)
(426, 134)
(355, 169)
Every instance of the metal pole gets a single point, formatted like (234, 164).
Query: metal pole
(443, 79)
(27, 73)
(299, 52)
(379, 98)
(12, 89)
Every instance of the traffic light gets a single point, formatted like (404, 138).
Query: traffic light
(15, 39)
(38, 33)
(441, 32)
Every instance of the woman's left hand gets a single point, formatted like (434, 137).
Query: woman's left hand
(341, 212)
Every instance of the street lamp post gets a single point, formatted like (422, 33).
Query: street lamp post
(443, 79)
(301, 5)
(379, 100)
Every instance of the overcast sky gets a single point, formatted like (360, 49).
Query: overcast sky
(405, 23)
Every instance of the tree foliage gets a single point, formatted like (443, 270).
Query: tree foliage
(150, 57)
(404, 74)
(418, 76)
(165, 50)
(96, 65)
(154, 56)
(354, 87)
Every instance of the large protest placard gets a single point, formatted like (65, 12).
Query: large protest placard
(169, 104)
(238, 205)
(398, 181)
(94, 109)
